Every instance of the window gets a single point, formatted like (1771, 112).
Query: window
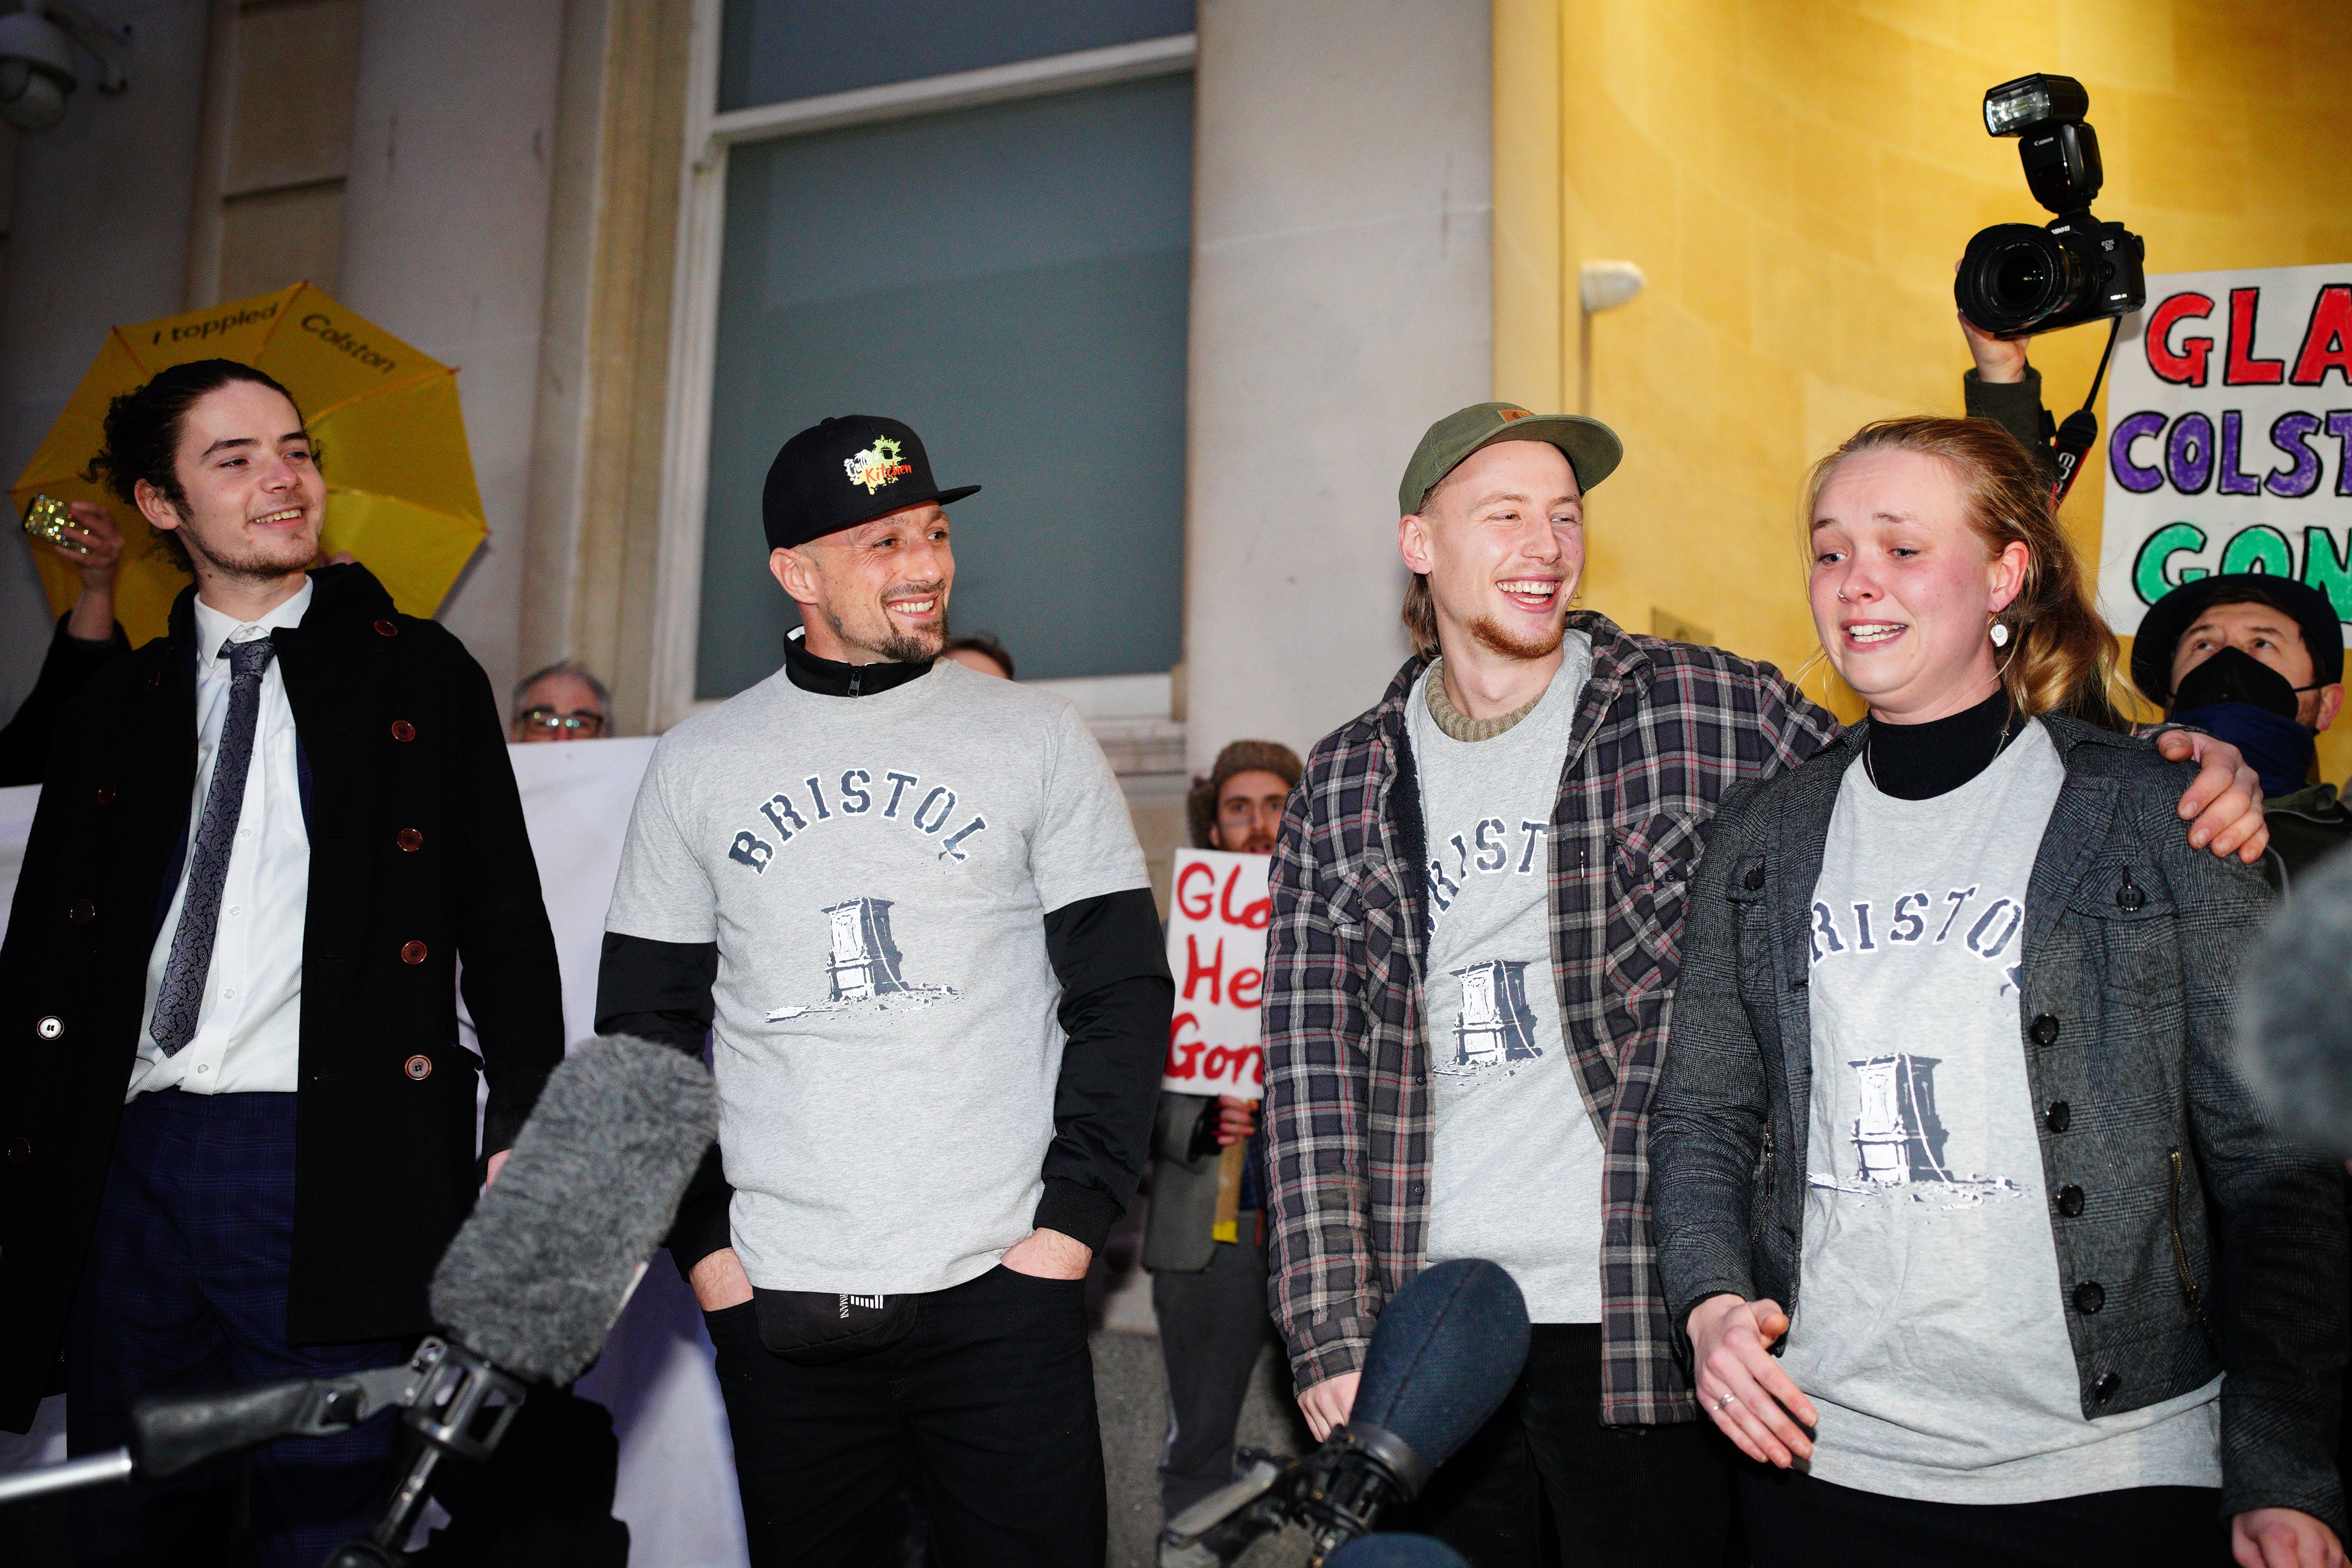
(1010, 278)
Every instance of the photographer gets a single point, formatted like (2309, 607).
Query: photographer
(2003, 388)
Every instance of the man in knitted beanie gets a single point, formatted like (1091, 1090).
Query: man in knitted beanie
(1209, 1295)
(1232, 809)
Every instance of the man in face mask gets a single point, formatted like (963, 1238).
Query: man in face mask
(2257, 660)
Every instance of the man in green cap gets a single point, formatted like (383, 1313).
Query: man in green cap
(1477, 915)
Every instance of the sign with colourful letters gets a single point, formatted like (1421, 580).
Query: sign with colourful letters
(2230, 437)
(1216, 949)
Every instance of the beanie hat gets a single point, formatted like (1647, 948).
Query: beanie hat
(1241, 757)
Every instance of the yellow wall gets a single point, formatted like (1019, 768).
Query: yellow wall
(1796, 177)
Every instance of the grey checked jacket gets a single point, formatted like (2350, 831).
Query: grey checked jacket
(1663, 730)
(2203, 1244)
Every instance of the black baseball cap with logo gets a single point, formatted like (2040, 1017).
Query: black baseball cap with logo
(842, 471)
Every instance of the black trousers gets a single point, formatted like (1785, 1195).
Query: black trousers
(1544, 1483)
(1797, 1521)
(1213, 1326)
(987, 1406)
(186, 1290)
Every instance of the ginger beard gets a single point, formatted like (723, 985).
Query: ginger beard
(1502, 540)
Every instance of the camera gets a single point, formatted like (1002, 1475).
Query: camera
(2015, 279)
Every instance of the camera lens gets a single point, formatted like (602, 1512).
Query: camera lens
(2015, 276)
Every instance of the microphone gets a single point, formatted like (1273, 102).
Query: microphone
(2293, 1036)
(536, 1278)
(528, 1289)
(538, 1275)
(1447, 1349)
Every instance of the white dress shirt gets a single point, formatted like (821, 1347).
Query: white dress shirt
(249, 1025)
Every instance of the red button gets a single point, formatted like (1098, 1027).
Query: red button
(386, 629)
(19, 1151)
(409, 839)
(154, 681)
(106, 793)
(412, 953)
(419, 1068)
(402, 730)
(81, 912)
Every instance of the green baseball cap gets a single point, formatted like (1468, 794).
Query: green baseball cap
(1591, 448)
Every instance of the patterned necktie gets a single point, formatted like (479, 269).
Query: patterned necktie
(182, 996)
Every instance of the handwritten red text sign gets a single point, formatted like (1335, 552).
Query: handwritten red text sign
(1216, 948)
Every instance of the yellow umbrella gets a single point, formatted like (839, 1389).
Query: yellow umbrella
(391, 443)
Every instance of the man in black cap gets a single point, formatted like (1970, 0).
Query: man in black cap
(2259, 661)
(904, 903)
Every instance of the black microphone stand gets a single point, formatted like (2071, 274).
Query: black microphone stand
(451, 1398)
(462, 1406)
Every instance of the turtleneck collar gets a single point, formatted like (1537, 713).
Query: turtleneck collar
(1921, 761)
(832, 679)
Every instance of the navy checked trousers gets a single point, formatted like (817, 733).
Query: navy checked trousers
(185, 1289)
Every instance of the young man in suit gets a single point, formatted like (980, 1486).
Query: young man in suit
(240, 1129)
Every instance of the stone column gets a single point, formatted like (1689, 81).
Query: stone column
(1341, 301)
(444, 243)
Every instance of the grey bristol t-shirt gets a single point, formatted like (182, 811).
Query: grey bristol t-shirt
(876, 872)
(1931, 1331)
(1516, 1164)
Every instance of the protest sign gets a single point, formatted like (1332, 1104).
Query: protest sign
(1216, 949)
(2230, 413)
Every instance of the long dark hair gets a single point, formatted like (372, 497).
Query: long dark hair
(142, 436)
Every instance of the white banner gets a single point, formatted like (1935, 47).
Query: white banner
(2229, 420)
(1216, 949)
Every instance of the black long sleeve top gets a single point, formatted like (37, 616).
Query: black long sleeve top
(66, 669)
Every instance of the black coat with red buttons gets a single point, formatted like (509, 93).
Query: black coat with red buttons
(418, 858)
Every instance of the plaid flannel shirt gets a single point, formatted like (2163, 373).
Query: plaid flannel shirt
(1661, 731)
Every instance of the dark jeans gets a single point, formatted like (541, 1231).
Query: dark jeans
(1543, 1481)
(988, 1404)
(1212, 1324)
(1797, 1521)
(185, 1289)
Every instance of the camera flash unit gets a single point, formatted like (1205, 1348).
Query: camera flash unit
(2012, 106)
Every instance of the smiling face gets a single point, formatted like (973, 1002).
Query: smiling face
(877, 593)
(2269, 634)
(1905, 590)
(253, 501)
(1501, 540)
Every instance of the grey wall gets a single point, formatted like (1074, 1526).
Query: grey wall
(98, 235)
(444, 243)
(1341, 301)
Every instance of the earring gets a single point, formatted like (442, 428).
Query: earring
(2000, 635)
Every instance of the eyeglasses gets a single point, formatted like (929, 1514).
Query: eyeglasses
(577, 725)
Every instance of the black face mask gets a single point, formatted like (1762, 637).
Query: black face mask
(2238, 698)
(2235, 675)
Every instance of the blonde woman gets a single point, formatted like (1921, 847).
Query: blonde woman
(1960, 1209)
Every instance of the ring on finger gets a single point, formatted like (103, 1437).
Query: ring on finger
(1728, 1398)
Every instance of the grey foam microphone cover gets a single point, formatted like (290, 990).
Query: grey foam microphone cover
(535, 1278)
(2295, 1028)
